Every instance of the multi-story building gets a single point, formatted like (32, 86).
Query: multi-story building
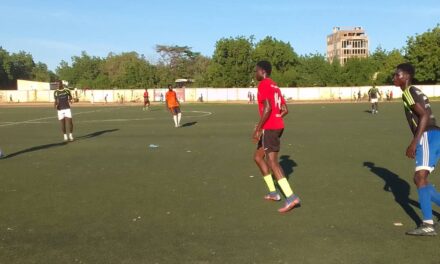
(346, 43)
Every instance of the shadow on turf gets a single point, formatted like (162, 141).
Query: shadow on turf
(399, 188)
(287, 164)
(97, 134)
(37, 148)
(189, 124)
(54, 145)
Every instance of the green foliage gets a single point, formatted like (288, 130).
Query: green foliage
(423, 51)
(232, 64)
(283, 59)
(21, 65)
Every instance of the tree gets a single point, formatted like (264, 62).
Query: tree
(232, 64)
(312, 70)
(21, 65)
(423, 51)
(84, 71)
(282, 57)
(129, 70)
(178, 62)
(386, 63)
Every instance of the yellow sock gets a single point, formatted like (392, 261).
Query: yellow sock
(285, 186)
(270, 184)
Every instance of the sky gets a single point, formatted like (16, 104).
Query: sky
(57, 30)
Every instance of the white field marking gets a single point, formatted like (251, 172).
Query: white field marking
(36, 121)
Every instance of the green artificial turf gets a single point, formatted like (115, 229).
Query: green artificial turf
(198, 197)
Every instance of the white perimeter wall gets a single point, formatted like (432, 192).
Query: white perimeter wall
(209, 94)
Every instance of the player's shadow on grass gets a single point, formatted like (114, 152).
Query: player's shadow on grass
(97, 134)
(32, 149)
(287, 164)
(54, 145)
(189, 124)
(400, 189)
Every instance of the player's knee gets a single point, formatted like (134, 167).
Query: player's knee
(258, 158)
(421, 178)
(273, 162)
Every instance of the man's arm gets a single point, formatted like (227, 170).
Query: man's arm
(56, 100)
(265, 116)
(423, 116)
(284, 110)
(70, 97)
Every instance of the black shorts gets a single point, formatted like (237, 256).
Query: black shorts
(175, 110)
(270, 140)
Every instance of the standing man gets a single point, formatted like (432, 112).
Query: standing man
(146, 101)
(63, 98)
(373, 94)
(173, 105)
(424, 146)
(267, 133)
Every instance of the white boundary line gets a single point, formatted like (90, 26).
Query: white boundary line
(37, 121)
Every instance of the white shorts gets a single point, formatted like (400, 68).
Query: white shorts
(374, 100)
(65, 113)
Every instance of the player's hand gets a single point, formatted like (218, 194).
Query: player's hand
(257, 135)
(411, 150)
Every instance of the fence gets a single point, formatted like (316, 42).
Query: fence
(208, 94)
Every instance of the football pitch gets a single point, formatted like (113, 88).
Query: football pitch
(134, 189)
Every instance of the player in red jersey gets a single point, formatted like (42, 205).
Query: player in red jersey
(146, 101)
(267, 134)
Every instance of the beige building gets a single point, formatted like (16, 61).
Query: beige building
(346, 43)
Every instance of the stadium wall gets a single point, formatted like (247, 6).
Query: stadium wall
(208, 94)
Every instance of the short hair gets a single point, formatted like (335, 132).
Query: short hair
(408, 68)
(266, 66)
(170, 86)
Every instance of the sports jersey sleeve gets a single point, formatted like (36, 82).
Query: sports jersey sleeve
(69, 94)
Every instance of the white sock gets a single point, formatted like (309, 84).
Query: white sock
(65, 136)
(179, 117)
(175, 120)
(70, 135)
(431, 222)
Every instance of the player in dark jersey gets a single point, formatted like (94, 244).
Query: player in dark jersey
(373, 94)
(424, 147)
(63, 98)
(146, 101)
(267, 134)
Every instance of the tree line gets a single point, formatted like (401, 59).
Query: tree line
(21, 65)
(231, 65)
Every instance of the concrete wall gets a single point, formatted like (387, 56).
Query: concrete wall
(208, 94)
(24, 85)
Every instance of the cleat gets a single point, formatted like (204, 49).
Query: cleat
(272, 197)
(71, 139)
(290, 205)
(423, 230)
